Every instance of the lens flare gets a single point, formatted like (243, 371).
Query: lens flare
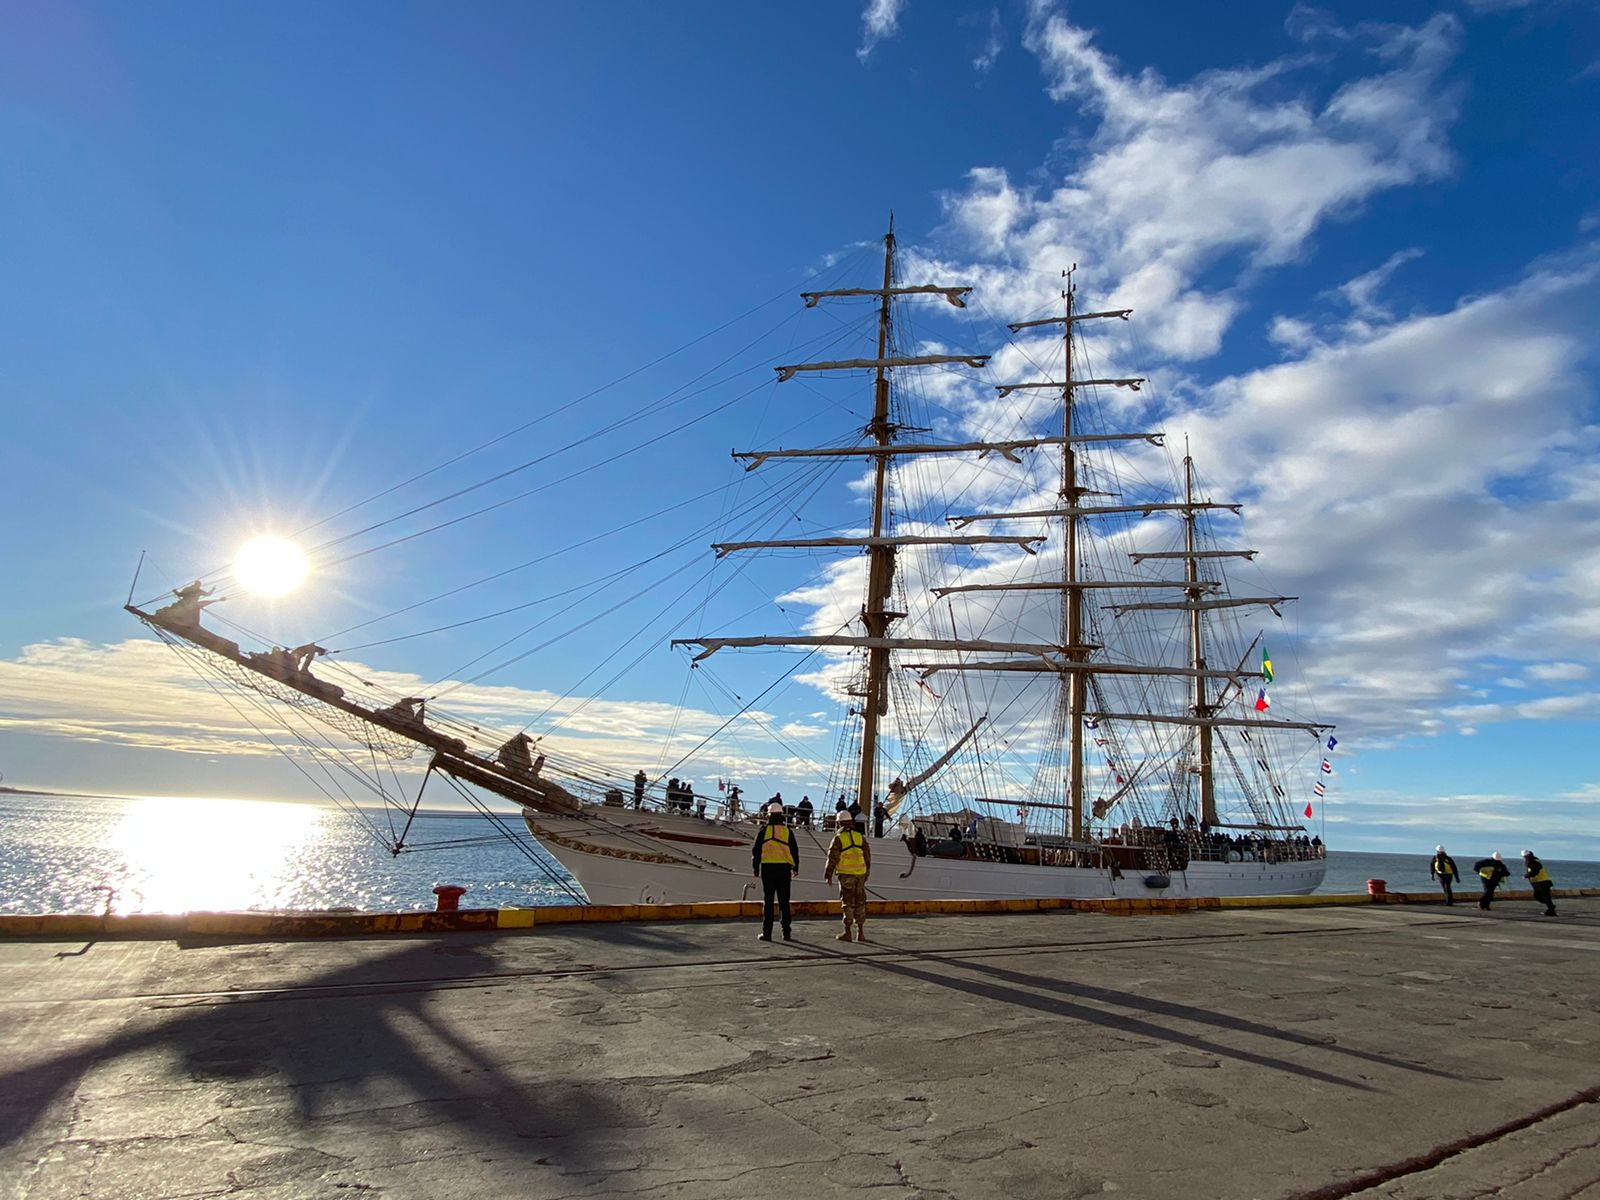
(270, 566)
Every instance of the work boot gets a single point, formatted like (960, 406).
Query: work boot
(763, 937)
(861, 933)
(845, 936)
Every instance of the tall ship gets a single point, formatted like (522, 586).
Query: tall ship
(1051, 685)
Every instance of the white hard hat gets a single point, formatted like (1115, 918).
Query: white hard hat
(844, 815)
(776, 807)
(1527, 854)
(1438, 849)
(1496, 856)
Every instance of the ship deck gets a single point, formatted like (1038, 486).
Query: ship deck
(1263, 1051)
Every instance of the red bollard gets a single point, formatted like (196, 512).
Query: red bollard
(449, 897)
(1375, 888)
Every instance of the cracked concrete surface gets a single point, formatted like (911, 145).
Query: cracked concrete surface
(1271, 1053)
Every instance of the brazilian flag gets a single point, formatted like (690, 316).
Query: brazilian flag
(1266, 665)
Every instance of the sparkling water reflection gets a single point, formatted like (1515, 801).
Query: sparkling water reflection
(65, 854)
(159, 854)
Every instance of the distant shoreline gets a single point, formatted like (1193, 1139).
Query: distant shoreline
(18, 791)
(7, 790)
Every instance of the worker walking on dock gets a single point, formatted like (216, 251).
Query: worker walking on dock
(775, 857)
(1443, 868)
(1541, 881)
(850, 858)
(1492, 871)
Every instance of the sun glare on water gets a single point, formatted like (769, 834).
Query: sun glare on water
(178, 855)
(270, 566)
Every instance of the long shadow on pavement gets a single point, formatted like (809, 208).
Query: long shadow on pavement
(329, 1046)
(1125, 1021)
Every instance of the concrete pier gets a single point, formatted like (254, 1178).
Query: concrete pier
(1402, 1051)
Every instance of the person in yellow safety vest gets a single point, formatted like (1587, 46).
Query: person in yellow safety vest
(1491, 870)
(850, 858)
(1443, 868)
(775, 857)
(1542, 883)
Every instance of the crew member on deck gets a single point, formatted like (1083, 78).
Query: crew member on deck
(802, 811)
(775, 857)
(850, 857)
(639, 780)
(514, 756)
(412, 708)
(185, 610)
(304, 655)
(1443, 868)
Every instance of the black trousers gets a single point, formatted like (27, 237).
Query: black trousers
(775, 881)
(1445, 882)
(1489, 886)
(1541, 893)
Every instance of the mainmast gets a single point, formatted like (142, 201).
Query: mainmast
(880, 555)
(1197, 654)
(1072, 615)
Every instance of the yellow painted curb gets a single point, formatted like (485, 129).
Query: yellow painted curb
(286, 926)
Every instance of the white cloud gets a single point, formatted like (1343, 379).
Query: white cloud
(141, 695)
(1361, 292)
(1422, 497)
(1558, 672)
(879, 21)
(1429, 483)
(993, 45)
(1179, 180)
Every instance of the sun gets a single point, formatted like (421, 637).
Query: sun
(270, 566)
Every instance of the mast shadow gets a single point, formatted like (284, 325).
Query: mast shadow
(345, 1046)
(1008, 987)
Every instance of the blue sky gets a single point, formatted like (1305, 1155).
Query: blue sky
(258, 264)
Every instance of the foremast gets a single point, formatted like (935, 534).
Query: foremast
(876, 615)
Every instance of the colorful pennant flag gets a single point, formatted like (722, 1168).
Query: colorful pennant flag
(1332, 742)
(1327, 767)
(1308, 808)
(1266, 665)
(1262, 703)
(1319, 789)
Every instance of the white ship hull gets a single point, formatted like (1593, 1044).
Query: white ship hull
(622, 856)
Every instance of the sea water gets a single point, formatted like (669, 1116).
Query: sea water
(154, 854)
(158, 854)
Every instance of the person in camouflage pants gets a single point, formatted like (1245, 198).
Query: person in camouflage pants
(850, 858)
